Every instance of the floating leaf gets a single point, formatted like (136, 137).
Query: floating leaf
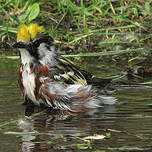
(20, 133)
(108, 134)
(149, 82)
(49, 142)
(95, 137)
(126, 148)
(83, 146)
(10, 57)
(113, 130)
(7, 123)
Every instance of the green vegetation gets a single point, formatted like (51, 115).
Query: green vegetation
(83, 26)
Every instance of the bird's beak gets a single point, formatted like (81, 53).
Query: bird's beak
(19, 45)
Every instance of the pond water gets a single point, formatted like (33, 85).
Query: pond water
(127, 126)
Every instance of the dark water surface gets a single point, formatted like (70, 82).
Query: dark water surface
(128, 126)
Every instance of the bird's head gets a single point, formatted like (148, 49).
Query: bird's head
(31, 38)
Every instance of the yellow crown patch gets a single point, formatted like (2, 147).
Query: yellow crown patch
(26, 33)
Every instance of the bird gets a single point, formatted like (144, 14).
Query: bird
(49, 79)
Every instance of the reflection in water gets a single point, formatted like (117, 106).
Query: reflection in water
(26, 143)
(55, 126)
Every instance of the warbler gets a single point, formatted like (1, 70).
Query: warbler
(47, 78)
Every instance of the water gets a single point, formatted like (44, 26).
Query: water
(128, 126)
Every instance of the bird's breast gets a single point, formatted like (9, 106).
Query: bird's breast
(28, 80)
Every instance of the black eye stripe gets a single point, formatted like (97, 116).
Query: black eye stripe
(40, 39)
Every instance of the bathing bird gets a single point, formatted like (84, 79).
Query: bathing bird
(47, 78)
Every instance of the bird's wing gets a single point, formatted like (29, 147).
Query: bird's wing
(67, 72)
